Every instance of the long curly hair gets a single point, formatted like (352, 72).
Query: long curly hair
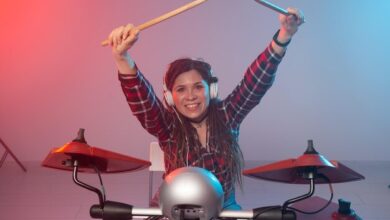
(220, 136)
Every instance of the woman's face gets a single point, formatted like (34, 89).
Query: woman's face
(190, 94)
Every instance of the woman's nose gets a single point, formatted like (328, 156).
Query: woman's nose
(191, 94)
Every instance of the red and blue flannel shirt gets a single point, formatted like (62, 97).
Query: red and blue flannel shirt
(157, 120)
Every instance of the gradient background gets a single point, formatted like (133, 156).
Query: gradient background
(333, 85)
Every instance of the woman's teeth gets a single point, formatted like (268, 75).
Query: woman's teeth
(192, 106)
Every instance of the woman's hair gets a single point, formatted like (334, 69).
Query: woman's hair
(221, 140)
(180, 66)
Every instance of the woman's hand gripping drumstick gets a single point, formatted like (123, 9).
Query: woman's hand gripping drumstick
(122, 38)
(161, 18)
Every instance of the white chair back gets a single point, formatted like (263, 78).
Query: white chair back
(156, 157)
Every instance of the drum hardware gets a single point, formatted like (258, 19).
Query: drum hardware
(78, 156)
(91, 158)
(310, 168)
(345, 212)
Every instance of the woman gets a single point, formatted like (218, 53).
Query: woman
(194, 127)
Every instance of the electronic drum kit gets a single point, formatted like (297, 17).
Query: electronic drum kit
(195, 193)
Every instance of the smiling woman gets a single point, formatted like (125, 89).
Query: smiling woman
(195, 127)
(191, 96)
(192, 86)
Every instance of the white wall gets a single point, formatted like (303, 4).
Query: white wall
(331, 87)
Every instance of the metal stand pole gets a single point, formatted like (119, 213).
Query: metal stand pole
(8, 151)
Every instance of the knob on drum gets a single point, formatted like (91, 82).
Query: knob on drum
(191, 192)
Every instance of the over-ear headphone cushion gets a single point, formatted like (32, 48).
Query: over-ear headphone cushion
(168, 98)
(213, 90)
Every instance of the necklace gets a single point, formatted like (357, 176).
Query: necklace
(197, 125)
(200, 127)
(199, 120)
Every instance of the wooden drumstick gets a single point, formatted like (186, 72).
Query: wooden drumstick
(164, 17)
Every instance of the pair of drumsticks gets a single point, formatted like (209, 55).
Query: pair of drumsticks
(191, 5)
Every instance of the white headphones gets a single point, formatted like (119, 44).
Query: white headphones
(169, 98)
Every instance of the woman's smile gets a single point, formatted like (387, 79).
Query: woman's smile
(191, 95)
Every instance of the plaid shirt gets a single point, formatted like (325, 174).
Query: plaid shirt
(150, 111)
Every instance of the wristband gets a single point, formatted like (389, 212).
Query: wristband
(280, 44)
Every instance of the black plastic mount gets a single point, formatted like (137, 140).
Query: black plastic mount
(112, 211)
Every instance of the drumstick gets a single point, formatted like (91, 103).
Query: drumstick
(273, 7)
(164, 16)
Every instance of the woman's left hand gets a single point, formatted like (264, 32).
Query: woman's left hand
(289, 23)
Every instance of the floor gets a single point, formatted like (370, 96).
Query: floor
(43, 193)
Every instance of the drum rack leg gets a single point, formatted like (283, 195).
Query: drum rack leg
(8, 151)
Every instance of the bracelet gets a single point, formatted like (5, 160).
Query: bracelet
(280, 44)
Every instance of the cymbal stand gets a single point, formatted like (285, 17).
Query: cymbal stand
(101, 193)
(286, 212)
(109, 210)
(309, 174)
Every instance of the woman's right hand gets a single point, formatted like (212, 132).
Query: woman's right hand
(122, 38)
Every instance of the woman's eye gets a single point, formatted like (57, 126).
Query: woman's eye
(199, 87)
(180, 90)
